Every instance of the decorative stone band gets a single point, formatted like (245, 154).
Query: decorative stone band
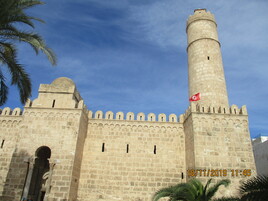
(202, 39)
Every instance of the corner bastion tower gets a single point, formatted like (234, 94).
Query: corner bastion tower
(58, 150)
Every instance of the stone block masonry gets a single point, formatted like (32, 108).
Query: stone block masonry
(124, 160)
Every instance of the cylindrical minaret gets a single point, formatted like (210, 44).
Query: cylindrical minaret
(206, 74)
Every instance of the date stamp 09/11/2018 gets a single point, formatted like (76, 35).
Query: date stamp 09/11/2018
(218, 172)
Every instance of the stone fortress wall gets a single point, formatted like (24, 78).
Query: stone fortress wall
(57, 149)
(126, 157)
(218, 143)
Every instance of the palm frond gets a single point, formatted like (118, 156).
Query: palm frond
(18, 74)
(212, 190)
(185, 191)
(255, 188)
(3, 89)
(24, 4)
(35, 41)
(7, 29)
(197, 187)
(255, 196)
(21, 18)
(12, 12)
(259, 182)
(207, 185)
(24, 85)
(164, 192)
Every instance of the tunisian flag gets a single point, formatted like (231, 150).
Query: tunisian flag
(195, 97)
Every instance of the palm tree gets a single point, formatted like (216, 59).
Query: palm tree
(191, 191)
(12, 12)
(255, 189)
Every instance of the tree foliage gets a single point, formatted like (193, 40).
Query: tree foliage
(254, 189)
(12, 14)
(191, 191)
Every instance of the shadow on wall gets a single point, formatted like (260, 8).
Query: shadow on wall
(15, 180)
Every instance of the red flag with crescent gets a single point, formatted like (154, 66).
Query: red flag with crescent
(195, 97)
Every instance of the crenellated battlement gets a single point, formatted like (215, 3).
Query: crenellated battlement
(109, 115)
(198, 108)
(130, 116)
(9, 112)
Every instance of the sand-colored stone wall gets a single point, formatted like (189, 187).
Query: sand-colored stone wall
(10, 180)
(221, 144)
(82, 132)
(155, 159)
(59, 130)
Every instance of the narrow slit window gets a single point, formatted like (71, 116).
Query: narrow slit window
(208, 58)
(2, 144)
(16, 113)
(127, 148)
(98, 116)
(182, 175)
(119, 117)
(53, 104)
(203, 109)
(154, 149)
(224, 110)
(103, 147)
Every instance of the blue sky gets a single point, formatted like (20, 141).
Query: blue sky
(130, 55)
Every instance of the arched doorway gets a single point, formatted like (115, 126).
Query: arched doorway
(41, 167)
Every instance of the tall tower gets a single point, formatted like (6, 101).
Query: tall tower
(216, 136)
(206, 74)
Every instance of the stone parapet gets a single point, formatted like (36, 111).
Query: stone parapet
(199, 108)
(9, 112)
(130, 116)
